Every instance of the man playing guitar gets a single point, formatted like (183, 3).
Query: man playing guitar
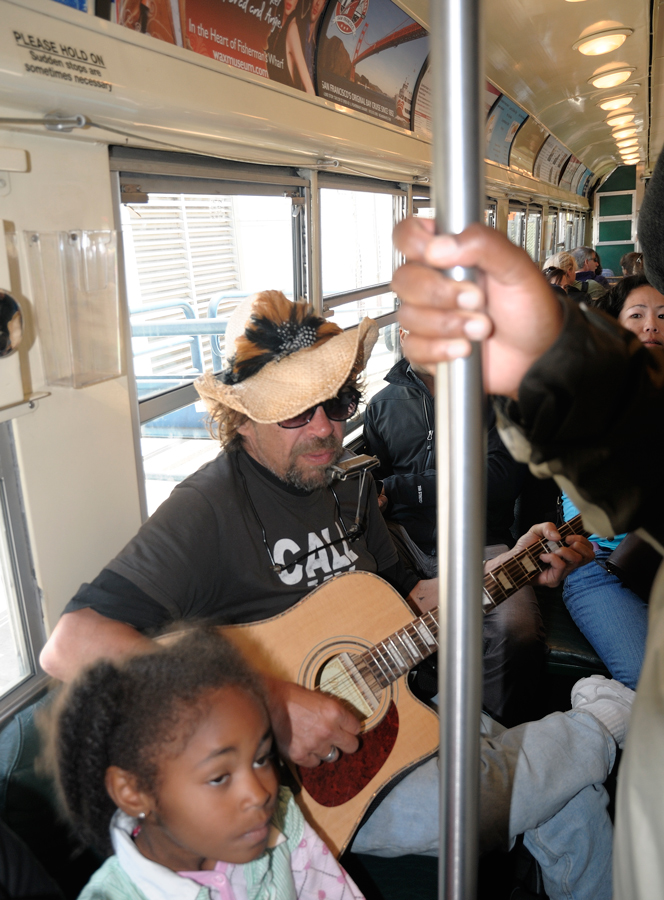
(251, 533)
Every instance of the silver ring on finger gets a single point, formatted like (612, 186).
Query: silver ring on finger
(332, 756)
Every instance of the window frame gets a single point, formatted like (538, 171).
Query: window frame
(28, 594)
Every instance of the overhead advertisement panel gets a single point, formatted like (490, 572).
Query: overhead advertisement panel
(550, 160)
(275, 39)
(159, 18)
(570, 177)
(583, 188)
(422, 103)
(369, 58)
(505, 119)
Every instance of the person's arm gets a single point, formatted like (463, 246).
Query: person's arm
(84, 636)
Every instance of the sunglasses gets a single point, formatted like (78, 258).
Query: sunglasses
(337, 409)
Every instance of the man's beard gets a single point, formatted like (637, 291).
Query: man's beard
(314, 477)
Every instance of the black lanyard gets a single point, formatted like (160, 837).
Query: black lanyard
(351, 534)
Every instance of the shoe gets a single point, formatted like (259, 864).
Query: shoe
(607, 700)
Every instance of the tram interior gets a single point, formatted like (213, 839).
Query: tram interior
(156, 169)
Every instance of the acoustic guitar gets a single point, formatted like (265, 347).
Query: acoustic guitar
(334, 640)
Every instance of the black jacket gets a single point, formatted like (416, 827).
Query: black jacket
(399, 429)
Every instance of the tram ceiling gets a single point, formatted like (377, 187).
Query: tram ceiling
(531, 56)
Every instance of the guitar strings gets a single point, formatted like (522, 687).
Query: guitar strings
(343, 685)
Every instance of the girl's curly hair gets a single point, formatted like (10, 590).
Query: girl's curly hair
(130, 714)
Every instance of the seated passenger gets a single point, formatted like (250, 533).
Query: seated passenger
(399, 428)
(168, 762)
(612, 617)
(602, 275)
(632, 263)
(557, 278)
(248, 535)
(572, 285)
(587, 264)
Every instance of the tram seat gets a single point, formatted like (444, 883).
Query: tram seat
(28, 803)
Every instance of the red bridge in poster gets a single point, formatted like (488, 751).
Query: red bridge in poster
(408, 33)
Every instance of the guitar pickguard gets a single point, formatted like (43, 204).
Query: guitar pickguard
(332, 784)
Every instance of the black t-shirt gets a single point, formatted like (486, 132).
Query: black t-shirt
(202, 554)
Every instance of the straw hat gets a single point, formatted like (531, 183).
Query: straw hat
(286, 374)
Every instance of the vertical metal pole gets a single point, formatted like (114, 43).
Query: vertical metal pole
(458, 84)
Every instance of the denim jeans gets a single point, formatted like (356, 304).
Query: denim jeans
(613, 618)
(545, 778)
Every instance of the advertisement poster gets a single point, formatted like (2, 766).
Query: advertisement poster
(369, 58)
(158, 18)
(571, 174)
(491, 95)
(550, 160)
(504, 121)
(583, 188)
(422, 105)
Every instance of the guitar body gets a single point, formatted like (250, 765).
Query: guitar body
(347, 614)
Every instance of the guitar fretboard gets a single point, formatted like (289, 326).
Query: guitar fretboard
(390, 659)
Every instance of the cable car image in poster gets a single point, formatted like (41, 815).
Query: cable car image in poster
(370, 55)
(272, 38)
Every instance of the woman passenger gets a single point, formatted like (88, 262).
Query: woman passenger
(284, 44)
(611, 616)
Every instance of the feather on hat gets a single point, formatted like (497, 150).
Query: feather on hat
(283, 359)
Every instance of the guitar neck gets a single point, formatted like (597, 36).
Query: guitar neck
(397, 654)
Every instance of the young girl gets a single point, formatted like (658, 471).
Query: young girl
(173, 750)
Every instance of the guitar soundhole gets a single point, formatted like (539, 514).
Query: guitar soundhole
(332, 784)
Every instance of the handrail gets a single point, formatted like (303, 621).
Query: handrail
(457, 102)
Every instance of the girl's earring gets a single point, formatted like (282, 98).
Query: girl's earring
(137, 830)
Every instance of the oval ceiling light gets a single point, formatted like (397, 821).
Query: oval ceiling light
(611, 79)
(624, 133)
(615, 103)
(602, 41)
(631, 154)
(617, 121)
(630, 142)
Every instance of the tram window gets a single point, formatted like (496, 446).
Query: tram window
(490, 214)
(174, 446)
(516, 227)
(566, 231)
(551, 234)
(533, 234)
(356, 239)
(193, 257)
(21, 625)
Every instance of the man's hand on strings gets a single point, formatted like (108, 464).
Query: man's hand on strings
(309, 724)
(575, 552)
(514, 310)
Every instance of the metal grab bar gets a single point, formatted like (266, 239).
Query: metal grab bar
(457, 103)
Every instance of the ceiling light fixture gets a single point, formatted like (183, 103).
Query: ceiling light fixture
(630, 142)
(624, 133)
(630, 154)
(617, 121)
(615, 102)
(602, 41)
(611, 79)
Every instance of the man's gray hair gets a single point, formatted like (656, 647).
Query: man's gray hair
(581, 255)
